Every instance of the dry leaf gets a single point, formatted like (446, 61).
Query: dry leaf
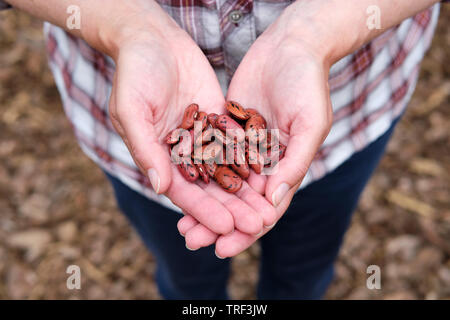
(427, 166)
(411, 204)
(34, 241)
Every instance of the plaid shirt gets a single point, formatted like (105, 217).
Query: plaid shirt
(369, 88)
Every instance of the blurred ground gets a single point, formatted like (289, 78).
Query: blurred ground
(57, 209)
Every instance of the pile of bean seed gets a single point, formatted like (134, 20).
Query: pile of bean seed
(223, 147)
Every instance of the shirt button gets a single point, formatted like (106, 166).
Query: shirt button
(235, 16)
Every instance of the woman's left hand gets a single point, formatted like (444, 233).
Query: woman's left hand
(286, 80)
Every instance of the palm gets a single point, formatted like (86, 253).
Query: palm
(286, 87)
(167, 79)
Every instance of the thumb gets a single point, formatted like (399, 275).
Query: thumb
(133, 120)
(304, 141)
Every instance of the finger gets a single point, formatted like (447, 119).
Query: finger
(246, 219)
(236, 242)
(257, 182)
(259, 203)
(199, 236)
(185, 223)
(232, 244)
(203, 207)
(133, 120)
(301, 148)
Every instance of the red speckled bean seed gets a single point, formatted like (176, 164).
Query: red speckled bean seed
(254, 158)
(282, 150)
(205, 137)
(255, 129)
(239, 153)
(237, 110)
(189, 116)
(220, 137)
(270, 140)
(173, 136)
(203, 117)
(240, 164)
(188, 170)
(210, 168)
(192, 139)
(235, 153)
(197, 155)
(212, 117)
(203, 173)
(212, 151)
(266, 142)
(230, 127)
(251, 112)
(275, 154)
(229, 154)
(228, 179)
(184, 147)
(241, 169)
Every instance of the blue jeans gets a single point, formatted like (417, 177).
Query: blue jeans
(297, 255)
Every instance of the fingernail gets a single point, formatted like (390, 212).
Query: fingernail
(181, 234)
(218, 255)
(190, 248)
(271, 226)
(154, 179)
(279, 194)
(259, 233)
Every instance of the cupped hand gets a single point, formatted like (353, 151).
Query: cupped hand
(158, 73)
(286, 80)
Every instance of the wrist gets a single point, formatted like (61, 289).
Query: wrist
(133, 21)
(336, 28)
(319, 27)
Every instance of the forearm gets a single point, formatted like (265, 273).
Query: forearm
(104, 24)
(341, 26)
